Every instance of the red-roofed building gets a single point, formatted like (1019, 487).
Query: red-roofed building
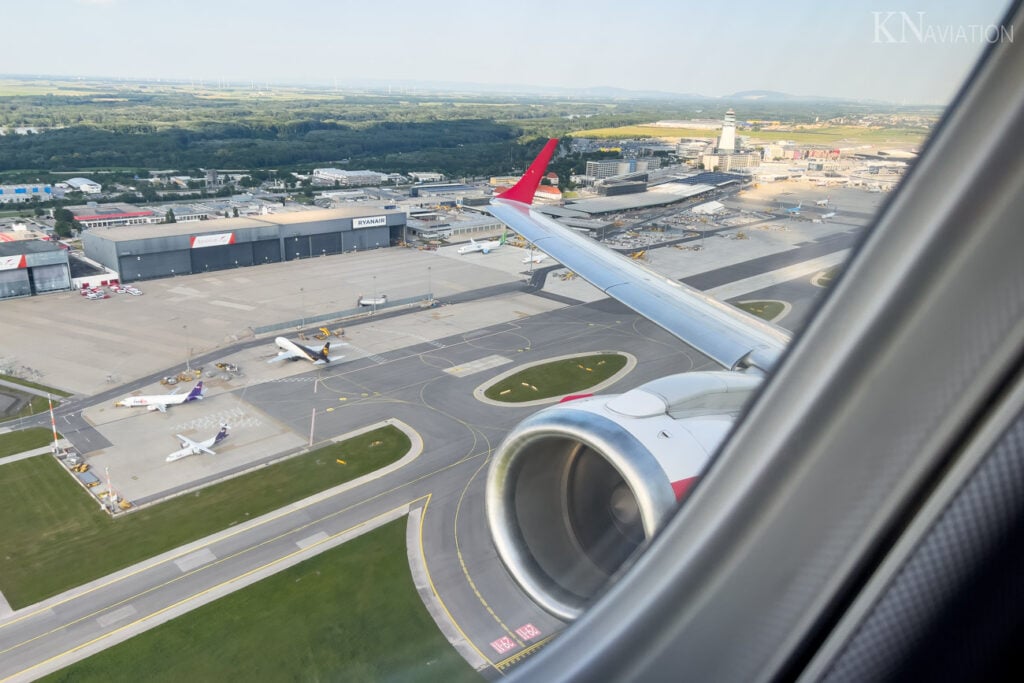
(547, 194)
(110, 215)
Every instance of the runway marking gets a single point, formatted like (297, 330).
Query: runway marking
(503, 645)
(479, 365)
(196, 559)
(312, 540)
(504, 664)
(111, 618)
(528, 632)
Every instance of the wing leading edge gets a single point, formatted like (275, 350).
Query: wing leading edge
(729, 336)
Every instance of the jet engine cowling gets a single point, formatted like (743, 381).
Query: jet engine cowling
(577, 488)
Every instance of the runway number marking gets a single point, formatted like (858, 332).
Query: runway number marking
(528, 632)
(503, 645)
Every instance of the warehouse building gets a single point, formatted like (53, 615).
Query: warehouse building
(30, 267)
(143, 252)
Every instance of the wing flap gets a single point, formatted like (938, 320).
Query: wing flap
(726, 334)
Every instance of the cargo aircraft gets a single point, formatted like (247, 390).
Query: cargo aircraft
(190, 447)
(161, 402)
(294, 351)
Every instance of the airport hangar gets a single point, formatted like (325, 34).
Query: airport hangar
(140, 252)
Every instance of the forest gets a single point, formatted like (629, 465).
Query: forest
(125, 127)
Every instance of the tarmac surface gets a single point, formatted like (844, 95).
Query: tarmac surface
(417, 368)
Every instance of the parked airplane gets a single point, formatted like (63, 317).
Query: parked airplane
(535, 258)
(828, 215)
(293, 351)
(161, 402)
(821, 202)
(485, 246)
(190, 447)
(794, 210)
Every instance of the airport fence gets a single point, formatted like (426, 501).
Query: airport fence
(358, 312)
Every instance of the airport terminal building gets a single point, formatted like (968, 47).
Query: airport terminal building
(140, 252)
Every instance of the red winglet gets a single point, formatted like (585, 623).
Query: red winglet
(523, 190)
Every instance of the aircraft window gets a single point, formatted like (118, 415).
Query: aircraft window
(613, 278)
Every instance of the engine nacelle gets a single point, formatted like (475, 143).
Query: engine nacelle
(577, 488)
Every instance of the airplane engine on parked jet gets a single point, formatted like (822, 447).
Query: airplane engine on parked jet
(577, 488)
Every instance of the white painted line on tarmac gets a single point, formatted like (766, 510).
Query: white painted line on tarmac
(111, 618)
(196, 559)
(480, 365)
(312, 540)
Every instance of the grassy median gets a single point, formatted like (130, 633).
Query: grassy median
(55, 537)
(557, 378)
(767, 310)
(348, 614)
(25, 440)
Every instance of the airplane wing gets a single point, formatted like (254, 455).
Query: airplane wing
(158, 406)
(185, 442)
(729, 336)
(285, 355)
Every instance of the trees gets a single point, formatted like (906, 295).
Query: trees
(65, 224)
(169, 217)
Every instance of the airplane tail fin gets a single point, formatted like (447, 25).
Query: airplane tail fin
(524, 190)
(197, 392)
(503, 237)
(221, 435)
(326, 350)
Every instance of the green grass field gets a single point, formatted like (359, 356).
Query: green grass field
(557, 378)
(24, 440)
(348, 614)
(818, 136)
(55, 537)
(826, 278)
(767, 310)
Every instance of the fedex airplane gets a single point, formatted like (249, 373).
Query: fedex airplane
(485, 246)
(190, 447)
(293, 351)
(161, 402)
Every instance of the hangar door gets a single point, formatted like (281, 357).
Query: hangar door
(266, 251)
(50, 278)
(221, 257)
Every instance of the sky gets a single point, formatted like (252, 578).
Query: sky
(893, 50)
